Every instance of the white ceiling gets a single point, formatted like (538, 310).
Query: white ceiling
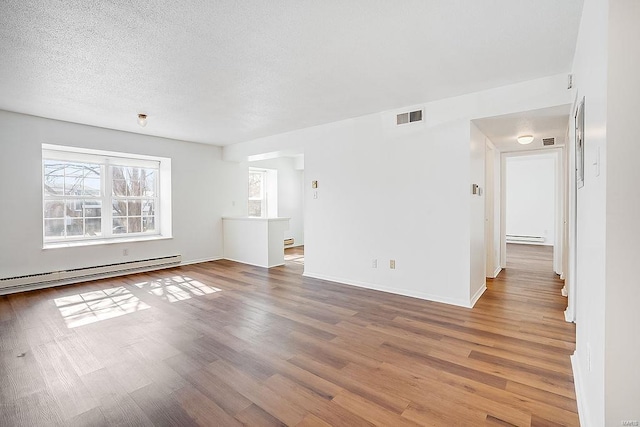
(227, 71)
(503, 131)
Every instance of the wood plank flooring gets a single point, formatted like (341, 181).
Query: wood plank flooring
(225, 344)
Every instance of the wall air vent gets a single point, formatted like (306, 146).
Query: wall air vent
(409, 117)
(548, 141)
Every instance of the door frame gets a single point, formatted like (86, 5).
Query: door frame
(560, 227)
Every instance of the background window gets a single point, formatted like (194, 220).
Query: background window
(257, 193)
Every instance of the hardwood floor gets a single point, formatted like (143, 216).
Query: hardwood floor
(225, 344)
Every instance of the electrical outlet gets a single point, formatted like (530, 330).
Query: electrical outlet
(392, 264)
(374, 263)
(125, 252)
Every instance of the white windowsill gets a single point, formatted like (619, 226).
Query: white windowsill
(77, 243)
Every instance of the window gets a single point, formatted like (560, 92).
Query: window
(257, 193)
(90, 195)
(263, 192)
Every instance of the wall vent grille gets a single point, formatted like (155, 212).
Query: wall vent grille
(409, 117)
(548, 141)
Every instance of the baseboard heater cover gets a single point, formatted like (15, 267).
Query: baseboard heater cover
(529, 239)
(32, 281)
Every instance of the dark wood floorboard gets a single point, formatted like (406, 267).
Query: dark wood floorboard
(226, 344)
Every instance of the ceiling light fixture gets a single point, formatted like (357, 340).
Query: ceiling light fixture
(142, 119)
(525, 139)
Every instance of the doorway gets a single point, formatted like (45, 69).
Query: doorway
(531, 212)
(282, 197)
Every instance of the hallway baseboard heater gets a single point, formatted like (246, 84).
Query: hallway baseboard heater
(512, 238)
(11, 285)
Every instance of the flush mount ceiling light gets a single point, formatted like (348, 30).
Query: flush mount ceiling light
(525, 139)
(142, 119)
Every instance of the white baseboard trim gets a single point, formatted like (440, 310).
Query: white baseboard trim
(496, 272)
(563, 291)
(45, 285)
(198, 261)
(568, 316)
(478, 294)
(253, 264)
(404, 292)
(580, 396)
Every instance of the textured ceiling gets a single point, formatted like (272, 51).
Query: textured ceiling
(227, 71)
(503, 131)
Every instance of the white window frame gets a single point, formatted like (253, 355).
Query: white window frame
(108, 160)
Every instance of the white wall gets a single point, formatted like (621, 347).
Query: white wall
(203, 189)
(477, 254)
(531, 196)
(402, 193)
(622, 319)
(290, 194)
(590, 81)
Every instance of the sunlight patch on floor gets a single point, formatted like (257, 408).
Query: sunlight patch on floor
(94, 306)
(177, 288)
(297, 258)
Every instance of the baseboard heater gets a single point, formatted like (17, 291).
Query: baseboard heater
(512, 238)
(35, 281)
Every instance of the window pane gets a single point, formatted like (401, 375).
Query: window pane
(149, 182)
(255, 185)
(53, 168)
(75, 169)
(91, 186)
(135, 208)
(135, 187)
(132, 173)
(148, 223)
(53, 227)
(54, 209)
(93, 171)
(119, 226)
(92, 208)
(93, 227)
(53, 185)
(73, 185)
(119, 208)
(74, 227)
(148, 207)
(119, 187)
(117, 172)
(255, 208)
(135, 225)
(74, 208)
